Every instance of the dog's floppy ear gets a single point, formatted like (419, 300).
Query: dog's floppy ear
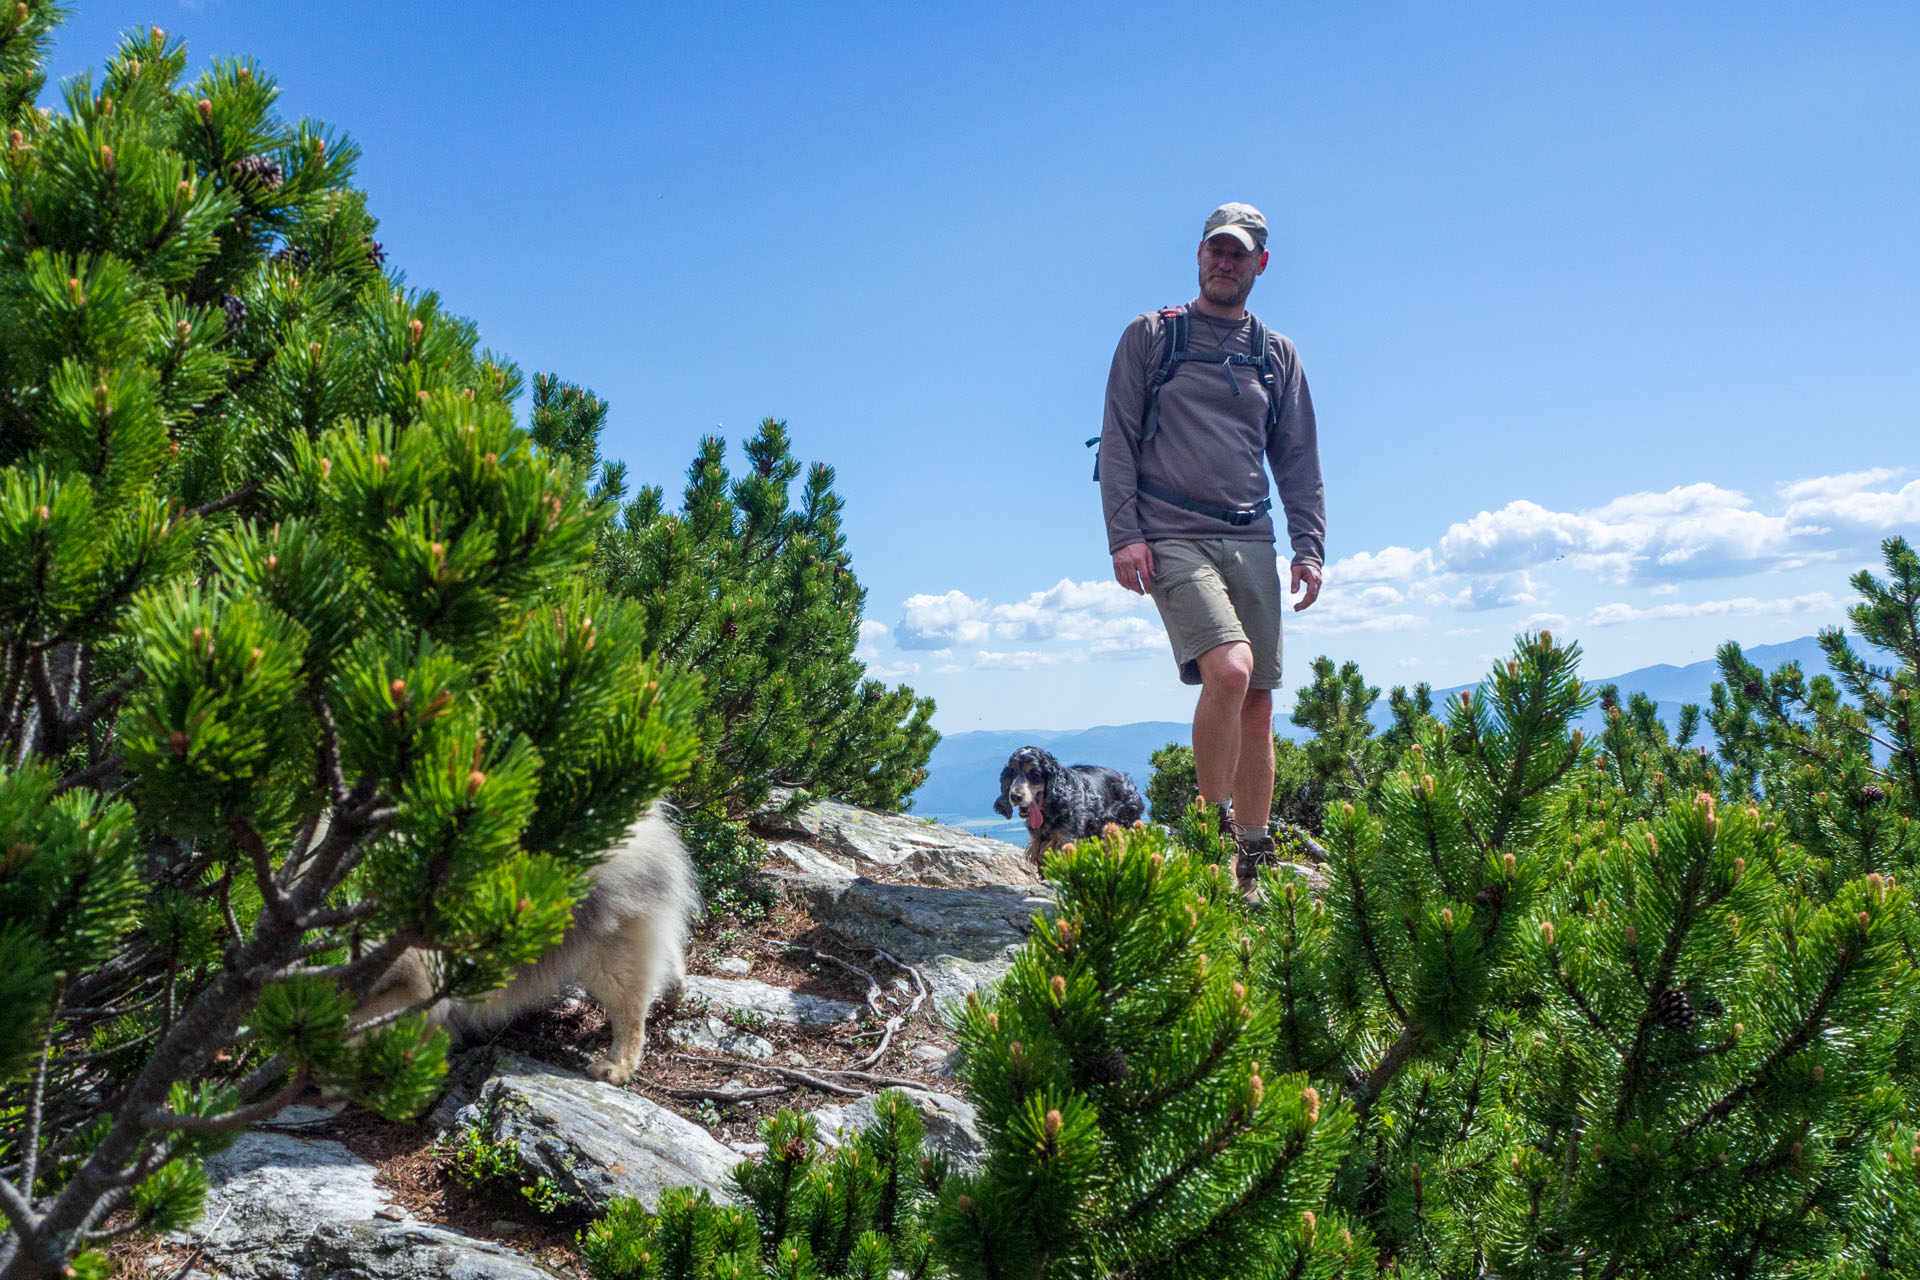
(1003, 806)
(1063, 789)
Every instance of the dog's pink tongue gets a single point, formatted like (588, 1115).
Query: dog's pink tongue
(1033, 816)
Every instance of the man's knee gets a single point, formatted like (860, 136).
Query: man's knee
(1257, 705)
(1227, 668)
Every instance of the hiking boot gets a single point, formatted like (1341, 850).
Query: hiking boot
(1252, 853)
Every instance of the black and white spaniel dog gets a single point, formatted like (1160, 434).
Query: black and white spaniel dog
(1062, 804)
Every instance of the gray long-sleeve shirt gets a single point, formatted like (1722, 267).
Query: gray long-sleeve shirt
(1211, 442)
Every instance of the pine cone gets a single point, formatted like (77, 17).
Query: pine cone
(257, 171)
(294, 256)
(730, 629)
(236, 311)
(1673, 1008)
(1109, 1070)
(1871, 794)
(376, 253)
(1711, 1008)
(1752, 689)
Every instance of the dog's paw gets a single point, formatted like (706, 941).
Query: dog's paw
(607, 1071)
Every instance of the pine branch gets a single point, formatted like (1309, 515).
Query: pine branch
(1228, 1215)
(1580, 1001)
(36, 1099)
(162, 1120)
(99, 770)
(244, 835)
(1361, 920)
(1368, 1088)
(1801, 1037)
(1197, 1155)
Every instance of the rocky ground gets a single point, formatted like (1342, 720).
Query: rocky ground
(878, 922)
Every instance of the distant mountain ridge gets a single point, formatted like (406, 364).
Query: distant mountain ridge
(963, 776)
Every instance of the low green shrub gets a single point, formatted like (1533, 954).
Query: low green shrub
(807, 1212)
(727, 857)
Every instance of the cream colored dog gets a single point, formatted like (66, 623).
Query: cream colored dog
(626, 947)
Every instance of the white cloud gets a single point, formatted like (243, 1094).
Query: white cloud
(1392, 564)
(1690, 531)
(1128, 635)
(929, 621)
(1519, 534)
(1095, 613)
(1318, 621)
(870, 627)
(1022, 660)
(1741, 607)
(1815, 506)
(1815, 488)
(1497, 591)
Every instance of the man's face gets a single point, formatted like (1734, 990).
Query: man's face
(1227, 271)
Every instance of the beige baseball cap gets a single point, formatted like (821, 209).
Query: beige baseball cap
(1241, 221)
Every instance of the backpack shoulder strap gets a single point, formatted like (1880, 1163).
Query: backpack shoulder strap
(1177, 327)
(1269, 376)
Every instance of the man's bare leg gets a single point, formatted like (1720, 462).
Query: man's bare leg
(1217, 719)
(1253, 778)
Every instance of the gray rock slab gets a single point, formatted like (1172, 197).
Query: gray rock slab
(714, 1036)
(810, 861)
(593, 1140)
(285, 1207)
(943, 1059)
(779, 1004)
(962, 939)
(952, 1125)
(893, 846)
(734, 966)
(410, 1251)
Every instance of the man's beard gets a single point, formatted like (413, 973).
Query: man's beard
(1221, 293)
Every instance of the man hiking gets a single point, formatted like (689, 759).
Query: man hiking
(1198, 396)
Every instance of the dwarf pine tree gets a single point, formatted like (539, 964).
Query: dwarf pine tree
(1137, 1122)
(1839, 754)
(298, 663)
(751, 586)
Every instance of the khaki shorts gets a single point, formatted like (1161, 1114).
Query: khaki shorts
(1216, 591)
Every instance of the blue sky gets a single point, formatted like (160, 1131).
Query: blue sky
(1611, 312)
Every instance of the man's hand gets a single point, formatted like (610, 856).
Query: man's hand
(1133, 567)
(1304, 575)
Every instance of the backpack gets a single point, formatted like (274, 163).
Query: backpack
(1176, 354)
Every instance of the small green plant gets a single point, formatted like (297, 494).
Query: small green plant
(858, 1212)
(707, 1113)
(481, 1162)
(749, 1020)
(547, 1197)
(727, 858)
(491, 1166)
